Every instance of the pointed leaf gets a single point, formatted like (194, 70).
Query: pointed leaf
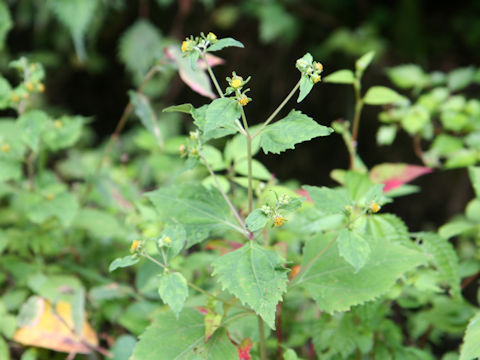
(126, 261)
(333, 283)
(169, 338)
(32, 124)
(362, 63)
(471, 346)
(340, 77)
(256, 220)
(145, 113)
(329, 201)
(178, 238)
(173, 290)
(306, 85)
(395, 175)
(212, 322)
(256, 276)
(184, 108)
(223, 43)
(201, 211)
(222, 114)
(289, 131)
(6, 23)
(353, 248)
(381, 95)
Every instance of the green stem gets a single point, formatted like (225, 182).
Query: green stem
(277, 110)
(212, 75)
(225, 196)
(31, 170)
(249, 159)
(356, 119)
(263, 348)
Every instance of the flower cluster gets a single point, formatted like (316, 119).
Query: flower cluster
(199, 43)
(192, 145)
(236, 84)
(273, 212)
(310, 68)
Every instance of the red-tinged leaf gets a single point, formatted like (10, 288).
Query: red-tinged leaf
(395, 175)
(244, 349)
(197, 79)
(223, 246)
(294, 272)
(304, 193)
(201, 309)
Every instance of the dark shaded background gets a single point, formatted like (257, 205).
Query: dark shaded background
(438, 36)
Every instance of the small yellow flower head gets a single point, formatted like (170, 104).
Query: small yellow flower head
(41, 87)
(50, 197)
(29, 86)
(167, 240)
(58, 124)
(193, 135)
(182, 148)
(184, 46)
(135, 245)
(237, 81)
(5, 148)
(278, 220)
(243, 100)
(194, 152)
(15, 98)
(318, 67)
(375, 207)
(317, 78)
(211, 37)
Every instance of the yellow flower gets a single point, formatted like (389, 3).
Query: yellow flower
(375, 207)
(182, 149)
(167, 240)
(317, 78)
(243, 100)
(58, 124)
(135, 245)
(318, 67)
(29, 86)
(211, 37)
(236, 82)
(184, 46)
(15, 98)
(278, 220)
(50, 197)
(41, 87)
(5, 148)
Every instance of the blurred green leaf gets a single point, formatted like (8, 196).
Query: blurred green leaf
(223, 43)
(354, 248)
(340, 77)
(461, 78)
(470, 348)
(125, 261)
(256, 220)
(381, 95)
(173, 290)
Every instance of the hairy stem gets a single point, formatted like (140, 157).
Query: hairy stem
(212, 75)
(249, 160)
(356, 120)
(263, 348)
(277, 110)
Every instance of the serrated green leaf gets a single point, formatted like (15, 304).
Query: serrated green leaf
(333, 283)
(289, 131)
(183, 338)
(139, 47)
(6, 23)
(64, 132)
(184, 108)
(256, 276)
(470, 348)
(340, 77)
(145, 113)
(329, 201)
(444, 257)
(381, 95)
(362, 63)
(223, 43)
(354, 248)
(173, 290)
(125, 261)
(76, 16)
(306, 85)
(256, 220)
(32, 124)
(222, 114)
(201, 211)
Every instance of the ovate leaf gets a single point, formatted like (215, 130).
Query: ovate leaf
(125, 261)
(289, 131)
(354, 248)
(147, 116)
(200, 210)
(333, 283)
(183, 338)
(471, 346)
(256, 220)
(407, 76)
(221, 114)
(223, 43)
(6, 23)
(340, 77)
(184, 108)
(173, 290)
(362, 63)
(381, 95)
(256, 276)
(306, 85)
(329, 201)
(394, 175)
